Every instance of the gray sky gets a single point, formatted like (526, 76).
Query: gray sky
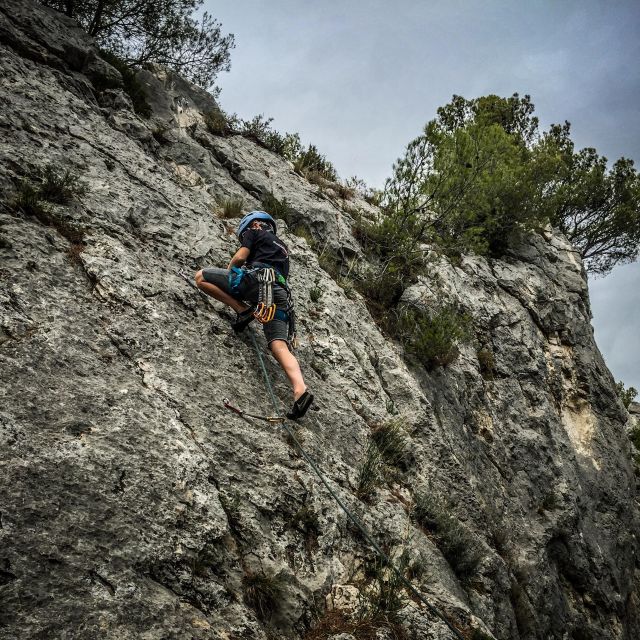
(360, 79)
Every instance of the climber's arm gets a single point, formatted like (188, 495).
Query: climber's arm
(239, 258)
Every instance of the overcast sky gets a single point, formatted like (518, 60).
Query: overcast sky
(360, 78)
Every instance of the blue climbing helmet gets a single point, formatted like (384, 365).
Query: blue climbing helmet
(250, 217)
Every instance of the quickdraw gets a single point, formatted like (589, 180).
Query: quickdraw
(244, 414)
(266, 308)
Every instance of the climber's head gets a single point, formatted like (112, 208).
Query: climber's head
(255, 216)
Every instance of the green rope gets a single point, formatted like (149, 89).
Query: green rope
(334, 495)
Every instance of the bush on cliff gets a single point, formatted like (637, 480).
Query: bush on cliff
(130, 83)
(170, 32)
(481, 173)
(433, 337)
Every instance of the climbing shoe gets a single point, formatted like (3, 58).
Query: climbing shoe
(242, 320)
(300, 406)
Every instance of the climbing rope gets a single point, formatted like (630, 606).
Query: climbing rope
(312, 463)
(356, 521)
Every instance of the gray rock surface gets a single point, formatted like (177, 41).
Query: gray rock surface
(134, 506)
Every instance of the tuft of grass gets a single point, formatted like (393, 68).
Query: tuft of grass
(28, 200)
(53, 187)
(315, 293)
(231, 207)
(391, 442)
(487, 363)
(261, 593)
(383, 599)
(61, 187)
(370, 473)
(452, 538)
(302, 232)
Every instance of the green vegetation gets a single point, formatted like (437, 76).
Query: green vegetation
(315, 293)
(218, 122)
(487, 363)
(52, 186)
(433, 337)
(627, 396)
(481, 173)
(311, 161)
(382, 597)
(231, 207)
(391, 441)
(452, 538)
(173, 33)
(60, 187)
(130, 83)
(386, 451)
(278, 208)
(370, 473)
(261, 593)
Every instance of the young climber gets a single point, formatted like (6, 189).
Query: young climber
(254, 285)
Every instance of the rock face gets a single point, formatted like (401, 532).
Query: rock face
(132, 505)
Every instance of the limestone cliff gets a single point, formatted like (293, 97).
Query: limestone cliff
(132, 505)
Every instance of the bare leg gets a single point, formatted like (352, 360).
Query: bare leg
(219, 294)
(288, 362)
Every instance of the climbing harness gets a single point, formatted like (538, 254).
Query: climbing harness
(266, 309)
(354, 519)
(244, 414)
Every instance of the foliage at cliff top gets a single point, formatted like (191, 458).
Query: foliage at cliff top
(163, 31)
(481, 172)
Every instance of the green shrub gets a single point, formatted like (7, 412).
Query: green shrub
(452, 538)
(433, 337)
(57, 188)
(278, 208)
(302, 232)
(315, 177)
(315, 293)
(391, 442)
(487, 363)
(345, 192)
(330, 263)
(360, 187)
(627, 396)
(131, 85)
(61, 187)
(231, 207)
(29, 200)
(261, 593)
(311, 160)
(219, 123)
(391, 243)
(382, 599)
(370, 473)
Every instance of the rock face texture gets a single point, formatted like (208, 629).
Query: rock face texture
(133, 505)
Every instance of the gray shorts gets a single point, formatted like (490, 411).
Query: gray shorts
(274, 330)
